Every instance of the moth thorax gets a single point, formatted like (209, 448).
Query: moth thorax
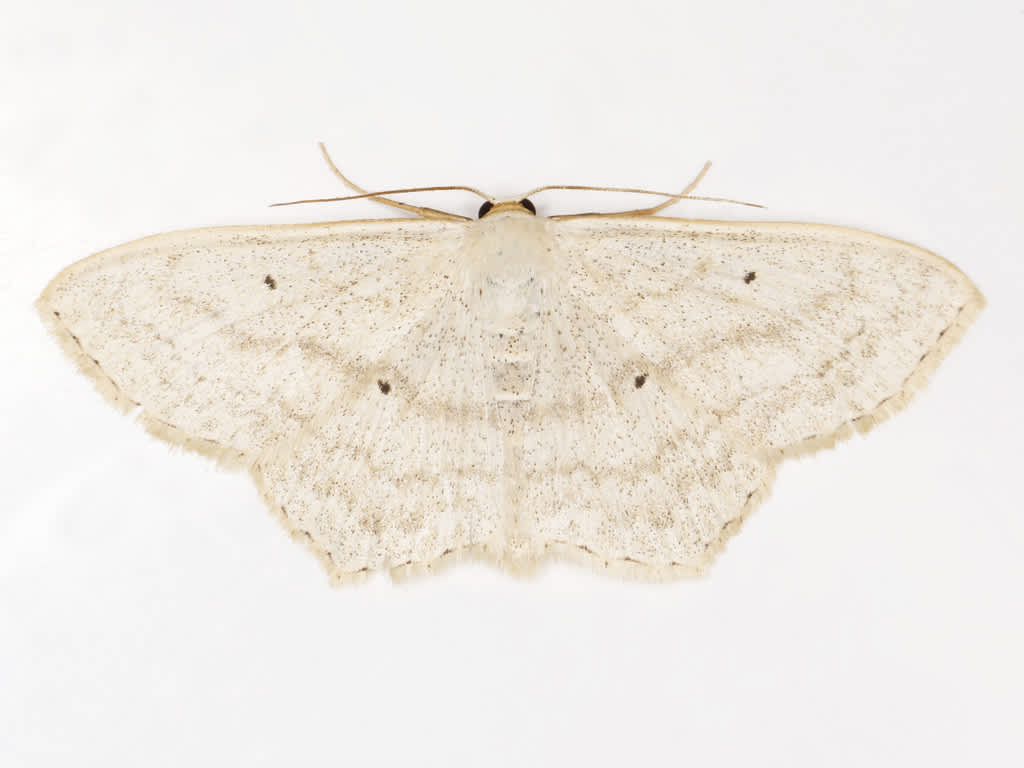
(510, 307)
(511, 293)
(509, 260)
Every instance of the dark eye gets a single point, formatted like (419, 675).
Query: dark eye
(484, 209)
(525, 202)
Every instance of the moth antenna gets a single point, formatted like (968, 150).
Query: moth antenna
(427, 213)
(676, 198)
(673, 197)
(689, 188)
(373, 195)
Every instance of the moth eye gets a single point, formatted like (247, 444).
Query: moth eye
(484, 209)
(525, 202)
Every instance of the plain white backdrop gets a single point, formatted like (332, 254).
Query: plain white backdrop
(153, 613)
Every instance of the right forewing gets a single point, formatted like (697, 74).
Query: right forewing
(787, 333)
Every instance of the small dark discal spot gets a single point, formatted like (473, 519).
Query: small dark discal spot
(749, 278)
(383, 386)
(640, 380)
(270, 282)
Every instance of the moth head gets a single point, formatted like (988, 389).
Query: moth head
(522, 206)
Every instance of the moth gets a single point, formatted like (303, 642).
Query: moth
(618, 389)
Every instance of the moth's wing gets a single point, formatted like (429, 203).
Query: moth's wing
(227, 338)
(619, 465)
(405, 465)
(790, 334)
(422, 459)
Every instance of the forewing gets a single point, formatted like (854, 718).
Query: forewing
(788, 333)
(227, 338)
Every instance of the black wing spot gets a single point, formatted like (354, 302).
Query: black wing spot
(750, 277)
(640, 380)
(528, 205)
(484, 209)
(383, 386)
(270, 282)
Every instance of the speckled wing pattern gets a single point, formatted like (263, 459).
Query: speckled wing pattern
(790, 334)
(231, 337)
(614, 389)
(577, 459)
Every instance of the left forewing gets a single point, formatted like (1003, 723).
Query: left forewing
(226, 338)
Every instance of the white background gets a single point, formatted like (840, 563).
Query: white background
(153, 614)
